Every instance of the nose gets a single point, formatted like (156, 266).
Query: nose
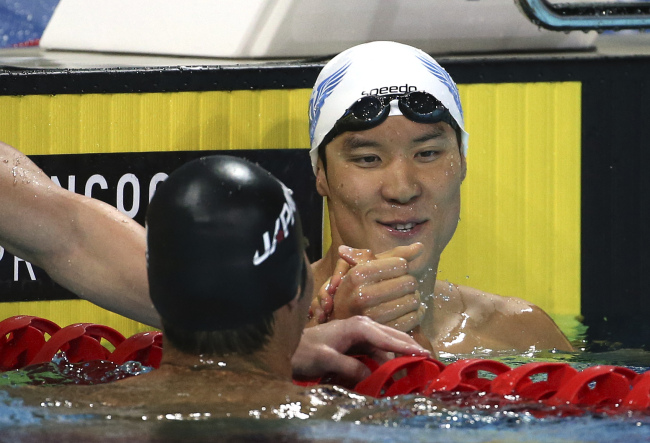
(400, 183)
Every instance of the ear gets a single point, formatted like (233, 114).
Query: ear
(293, 304)
(321, 180)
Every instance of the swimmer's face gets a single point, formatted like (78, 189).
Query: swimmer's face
(393, 185)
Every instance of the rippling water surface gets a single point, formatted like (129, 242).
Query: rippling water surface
(467, 417)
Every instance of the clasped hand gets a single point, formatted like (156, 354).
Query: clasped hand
(376, 286)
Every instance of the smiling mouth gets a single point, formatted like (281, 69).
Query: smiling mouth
(401, 227)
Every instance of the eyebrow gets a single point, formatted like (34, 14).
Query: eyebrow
(355, 141)
(430, 135)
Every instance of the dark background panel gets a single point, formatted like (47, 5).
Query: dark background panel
(289, 165)
(616, 204)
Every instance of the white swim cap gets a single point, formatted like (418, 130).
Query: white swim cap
(377, 68)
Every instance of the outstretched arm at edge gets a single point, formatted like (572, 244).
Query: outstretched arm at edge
(85, 245)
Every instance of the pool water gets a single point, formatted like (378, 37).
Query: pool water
(467, 417)
(22, 424)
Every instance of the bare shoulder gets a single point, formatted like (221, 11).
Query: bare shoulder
(493, 321)
(485, 303)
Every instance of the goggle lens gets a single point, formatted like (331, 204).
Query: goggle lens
(371, 110)
(367, 108)
(421, 103)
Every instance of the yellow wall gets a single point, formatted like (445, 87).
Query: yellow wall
(99, 123)
(520, 221)
(519, 232)
(520, 228)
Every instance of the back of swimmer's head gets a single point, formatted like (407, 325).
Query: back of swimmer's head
(377, 68)
(225, 245)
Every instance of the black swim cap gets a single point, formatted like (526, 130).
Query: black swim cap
(225, 245)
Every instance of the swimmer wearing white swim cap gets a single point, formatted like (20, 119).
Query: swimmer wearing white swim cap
(388, 147)
(359, 88)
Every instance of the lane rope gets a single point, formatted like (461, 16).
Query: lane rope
(603, 388)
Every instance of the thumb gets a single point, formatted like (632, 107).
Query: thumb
(355, 256)
(409, 253)
(341, 268)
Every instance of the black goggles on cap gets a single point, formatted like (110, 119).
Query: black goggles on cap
(372, 110)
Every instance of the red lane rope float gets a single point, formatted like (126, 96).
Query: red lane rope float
(419, 373)
(464, 376)
(601, 385)
(21, 337)
(23, 342)
(518, 381)
(80, 342)
(639, 397)
(603, 388)
(145, 347)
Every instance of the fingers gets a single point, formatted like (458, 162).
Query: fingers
(326, 294)
(406, 322)
(322, 348)
(394, 309)
(349, 368)
(408, 253)
(377, 270)
(316, 313)
(363, 331)
(388, 291)
(341, 268)
(355, 256)
(371, 284)
(322, 304)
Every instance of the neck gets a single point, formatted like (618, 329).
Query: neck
(266, 362)
(324, 268)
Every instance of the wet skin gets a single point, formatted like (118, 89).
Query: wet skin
(254, 384)
(394, 185)
(389, 188)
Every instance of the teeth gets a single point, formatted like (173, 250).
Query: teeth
(405, 227)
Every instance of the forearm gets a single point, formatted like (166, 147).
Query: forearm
(105, 261)
(85, 245)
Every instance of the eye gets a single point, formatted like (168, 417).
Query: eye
(428, 155)
(367, 160)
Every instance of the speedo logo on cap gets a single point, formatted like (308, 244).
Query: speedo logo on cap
(394, 89)
(281, 231)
